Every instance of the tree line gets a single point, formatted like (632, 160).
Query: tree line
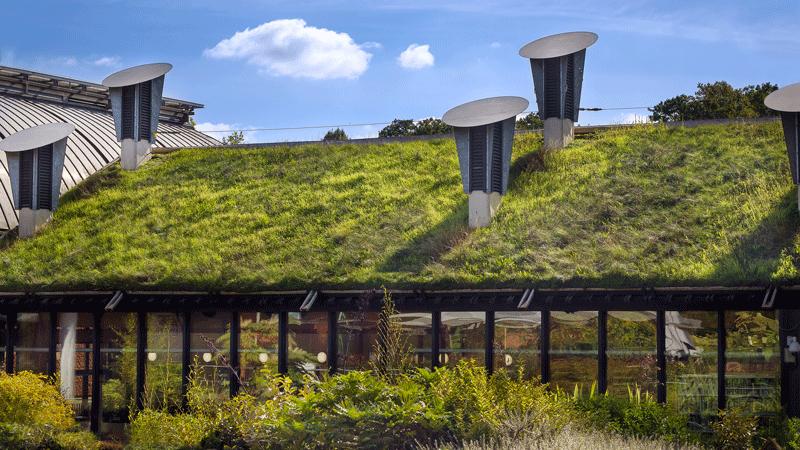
(718, 100)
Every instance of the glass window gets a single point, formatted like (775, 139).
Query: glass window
(691, 345)
(463, 336)
(164, 370)
(118, 351)
(517, 337)
(32, 348)
(752, 369)
(631, 352)
(210, 352)
(416, 335)
(358, 339)
(258, 347)
(308, 343)
(74, 361)
(573, 350)
(3, 324)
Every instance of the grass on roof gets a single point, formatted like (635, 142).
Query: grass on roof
(652, 206)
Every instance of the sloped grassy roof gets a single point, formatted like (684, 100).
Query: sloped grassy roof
(653, 206)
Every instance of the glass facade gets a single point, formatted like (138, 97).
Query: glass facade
(75, 362)
(691, 345)
(163, 365)
(32, 349)
(573, 350)
(357, 339)
(753, 361)
(308, 343)
(210, 352)
(417, 336)
(631, 353)
(118, 353)
(517, 338)
(258, 347)
(463, 336)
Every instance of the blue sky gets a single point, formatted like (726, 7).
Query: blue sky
(262, 64)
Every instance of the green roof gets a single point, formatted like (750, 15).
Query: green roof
(647, 206)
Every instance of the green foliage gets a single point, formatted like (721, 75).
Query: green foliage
(115, 396)
(237, 137)
(393, 356)
(398, 127)
(26, 398)
(733, 431)
(530, 122)
(159, 430)
(717, 100)
(336, 135)
(431, 126)
(15, 436)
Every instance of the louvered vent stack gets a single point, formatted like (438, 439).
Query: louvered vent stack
(557, 67)
(786, 100)
(484, 132)
(35, 162)
(135, 95)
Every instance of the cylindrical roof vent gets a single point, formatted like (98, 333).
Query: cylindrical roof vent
(786, 100)
(484, 131)
(557, 67)
(135, 95)
(35, 161)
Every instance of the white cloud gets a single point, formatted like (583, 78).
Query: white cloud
(222, 130)
(65, 61)
(416, 57)
(107, 61)
(290, 48)
(371, 45)
(496, 45)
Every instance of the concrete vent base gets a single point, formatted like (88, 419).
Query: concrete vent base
(558, 133)
(482, 207)
(31, 220)
(134, 154)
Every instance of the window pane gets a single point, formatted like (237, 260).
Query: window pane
(258, 347)
(358, 339)
(692, 363)
(517, 337)
(210, 352)
(118, 350)
(416, 332)
(753, 361)
(631, 352)
(573, 350)
(163, 366)
(33, 342)
(308, 343)
(463, 336)
(74, 361)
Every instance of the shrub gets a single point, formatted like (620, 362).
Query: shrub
(733, 431)
(159, 430)
(25, 398)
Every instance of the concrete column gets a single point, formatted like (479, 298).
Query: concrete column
(69, 331)
(134, 154)
(30, 220)
(482, 207)
(558, 133)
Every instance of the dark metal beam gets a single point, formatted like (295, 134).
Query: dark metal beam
(141, 346)
(186, 357)
(234, 352)
(721, 360)
(52, 345)
(11, 336)
(661, 357)
(602, 347)
(545, 352)
(436, 331)
(333, 341)
(283, 342)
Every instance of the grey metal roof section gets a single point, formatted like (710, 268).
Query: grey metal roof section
(35, 137)
(558, 45)
(138, 74)
(93, 144)
(785, 99)
(485, 111)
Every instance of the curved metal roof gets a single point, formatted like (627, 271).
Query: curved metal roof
(91, 147)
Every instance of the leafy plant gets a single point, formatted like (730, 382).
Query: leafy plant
(393, 354)
(336, 135)
(235, 138)
(733, 431)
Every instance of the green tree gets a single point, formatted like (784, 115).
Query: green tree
(235, 138)
(431, 126)
(530, 122)
(336, 135)
(718, 100)
(398, 128)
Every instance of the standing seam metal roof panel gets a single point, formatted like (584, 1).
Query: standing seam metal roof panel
(90, 148)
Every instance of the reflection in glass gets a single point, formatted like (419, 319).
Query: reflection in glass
(517, 337)
(308, 343)
(74, 357)
(691, 347)
(118, 351)
(163, 366)
(463, 336)
(631, 352)
(358, 339)
(417, 333)
(752, 369)
(258, 347)
(573, 349)
(32, 348)
(210, 351)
